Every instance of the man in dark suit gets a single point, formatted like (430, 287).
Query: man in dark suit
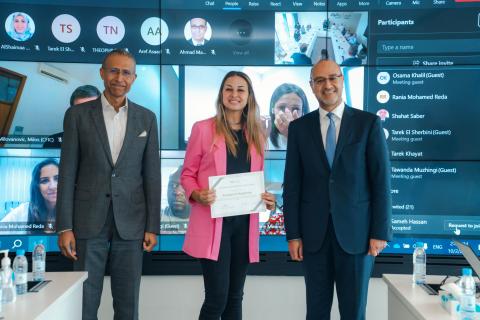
(108, 207)
(337, 202)
(198, 30)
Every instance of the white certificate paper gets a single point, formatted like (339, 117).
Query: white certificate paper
(237, 194)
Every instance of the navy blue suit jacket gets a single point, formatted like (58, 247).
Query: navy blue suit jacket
(356, 191)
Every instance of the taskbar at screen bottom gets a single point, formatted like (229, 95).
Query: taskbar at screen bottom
(165, 243)
(436, 246)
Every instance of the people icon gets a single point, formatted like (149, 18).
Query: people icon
(20, 26)
(198, 32)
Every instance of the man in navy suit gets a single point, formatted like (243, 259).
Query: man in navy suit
(337, 201)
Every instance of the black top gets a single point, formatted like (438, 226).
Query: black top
(240, 163)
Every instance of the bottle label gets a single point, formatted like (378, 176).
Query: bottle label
(468, 303)
(38, 266)
(20, 278)
(419, 268)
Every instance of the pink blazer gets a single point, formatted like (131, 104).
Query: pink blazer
(206, 156)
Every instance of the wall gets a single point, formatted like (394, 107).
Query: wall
(266, 297)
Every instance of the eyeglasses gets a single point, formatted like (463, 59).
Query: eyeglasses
(201, 27)
(320, 81)
(116, 71)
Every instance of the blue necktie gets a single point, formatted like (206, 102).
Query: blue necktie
(331, 140)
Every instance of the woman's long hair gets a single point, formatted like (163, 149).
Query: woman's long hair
(37, 210)
(251, 123)
(279, 92)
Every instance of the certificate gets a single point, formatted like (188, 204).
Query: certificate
(237, 194)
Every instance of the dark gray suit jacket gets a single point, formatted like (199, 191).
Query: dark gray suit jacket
(89, 181)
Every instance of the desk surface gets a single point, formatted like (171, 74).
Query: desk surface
(33, 304)
(414, 298)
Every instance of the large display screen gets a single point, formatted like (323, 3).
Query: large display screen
(415, 64)
(401, 61)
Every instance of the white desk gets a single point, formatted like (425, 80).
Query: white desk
(59, 299)
(409, 302)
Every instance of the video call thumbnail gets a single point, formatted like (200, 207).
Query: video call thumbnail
(210, 37)
(271, 85)
(20, 26)
(170, 111)
(175, 208)
(304, 38)
(28, 195)
(38, 117)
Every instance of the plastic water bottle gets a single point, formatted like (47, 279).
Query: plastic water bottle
(38, 262)
(9, 294)
(467, 301)
(419, 264)
(20, 269)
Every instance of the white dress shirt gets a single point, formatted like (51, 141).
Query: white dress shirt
(198, 43)
(325, 121)
(116, 124)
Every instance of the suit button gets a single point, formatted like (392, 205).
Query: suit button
(107, 195)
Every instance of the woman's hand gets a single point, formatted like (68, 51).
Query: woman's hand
(269, 200)
(283, 119)
(204, 196)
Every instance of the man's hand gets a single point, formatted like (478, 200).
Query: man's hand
(67, 244)
(149, 241)
(376, 246)
(295, 247)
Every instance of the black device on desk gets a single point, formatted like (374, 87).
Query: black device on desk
(35, 286)
(471, 258)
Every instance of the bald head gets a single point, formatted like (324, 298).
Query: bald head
(326, 81)
(324, 64)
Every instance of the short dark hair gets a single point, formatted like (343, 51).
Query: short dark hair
(119, 52)
(303, 47)
(85, 91)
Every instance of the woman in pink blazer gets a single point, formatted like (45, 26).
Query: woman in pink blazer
(231, 142)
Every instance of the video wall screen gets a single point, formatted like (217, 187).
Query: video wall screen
(29, 195)
(269, 83)
(175, 209)
(415, 65)
(401, 61)
(37, 121)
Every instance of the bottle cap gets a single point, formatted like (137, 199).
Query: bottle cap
(20, 252)
(466, 272)
(6, 260)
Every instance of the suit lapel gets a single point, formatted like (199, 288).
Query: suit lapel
(219, 152)
(345, 131)
(255, 160)
(316, 134)
(130, 131)
(97, 116)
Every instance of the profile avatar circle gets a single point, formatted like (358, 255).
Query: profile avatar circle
(20, 26)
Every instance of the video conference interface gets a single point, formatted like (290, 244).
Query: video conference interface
(401, 61)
